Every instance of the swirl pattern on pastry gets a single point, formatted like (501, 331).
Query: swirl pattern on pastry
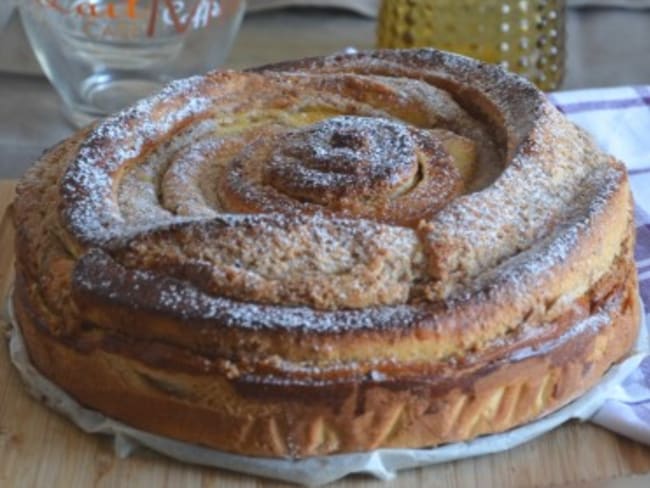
(392, 229)
(364, 167)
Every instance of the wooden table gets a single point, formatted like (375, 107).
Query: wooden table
(40, 448)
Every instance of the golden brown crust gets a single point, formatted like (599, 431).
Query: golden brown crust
(361, 167)
(306, 419)
(385, 249)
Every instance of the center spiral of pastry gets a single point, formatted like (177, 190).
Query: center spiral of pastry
(355, 158)
(367, 167)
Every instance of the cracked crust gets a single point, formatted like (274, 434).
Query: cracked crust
(267, 274)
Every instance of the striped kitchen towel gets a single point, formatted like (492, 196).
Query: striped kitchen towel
(619, 120)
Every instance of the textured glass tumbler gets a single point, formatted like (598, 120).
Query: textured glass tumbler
(102, 55)
(527, 37)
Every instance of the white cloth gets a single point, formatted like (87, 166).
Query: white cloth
(619, 120)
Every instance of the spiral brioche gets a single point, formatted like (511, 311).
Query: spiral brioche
(392, 248)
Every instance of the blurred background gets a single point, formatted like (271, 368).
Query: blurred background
(607, 44)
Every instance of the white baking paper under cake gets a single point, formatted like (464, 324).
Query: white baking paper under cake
(382, 463)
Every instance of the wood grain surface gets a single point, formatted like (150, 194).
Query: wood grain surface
(39, 448)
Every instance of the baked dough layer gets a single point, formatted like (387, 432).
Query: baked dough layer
(392, 248)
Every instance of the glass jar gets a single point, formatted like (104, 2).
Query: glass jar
(527, 37)
(102, 55)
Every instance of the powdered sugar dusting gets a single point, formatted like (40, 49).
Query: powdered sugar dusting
(334, 155)
(503, 241)
(87, 185)
(99, 274)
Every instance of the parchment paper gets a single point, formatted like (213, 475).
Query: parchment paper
(382, 463)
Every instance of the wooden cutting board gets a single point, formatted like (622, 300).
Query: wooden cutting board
(40, 448)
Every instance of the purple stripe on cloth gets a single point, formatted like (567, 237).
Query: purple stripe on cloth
(638, 171)
(643, 92)
(570, 108)
(642, 249)
(641, 217)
